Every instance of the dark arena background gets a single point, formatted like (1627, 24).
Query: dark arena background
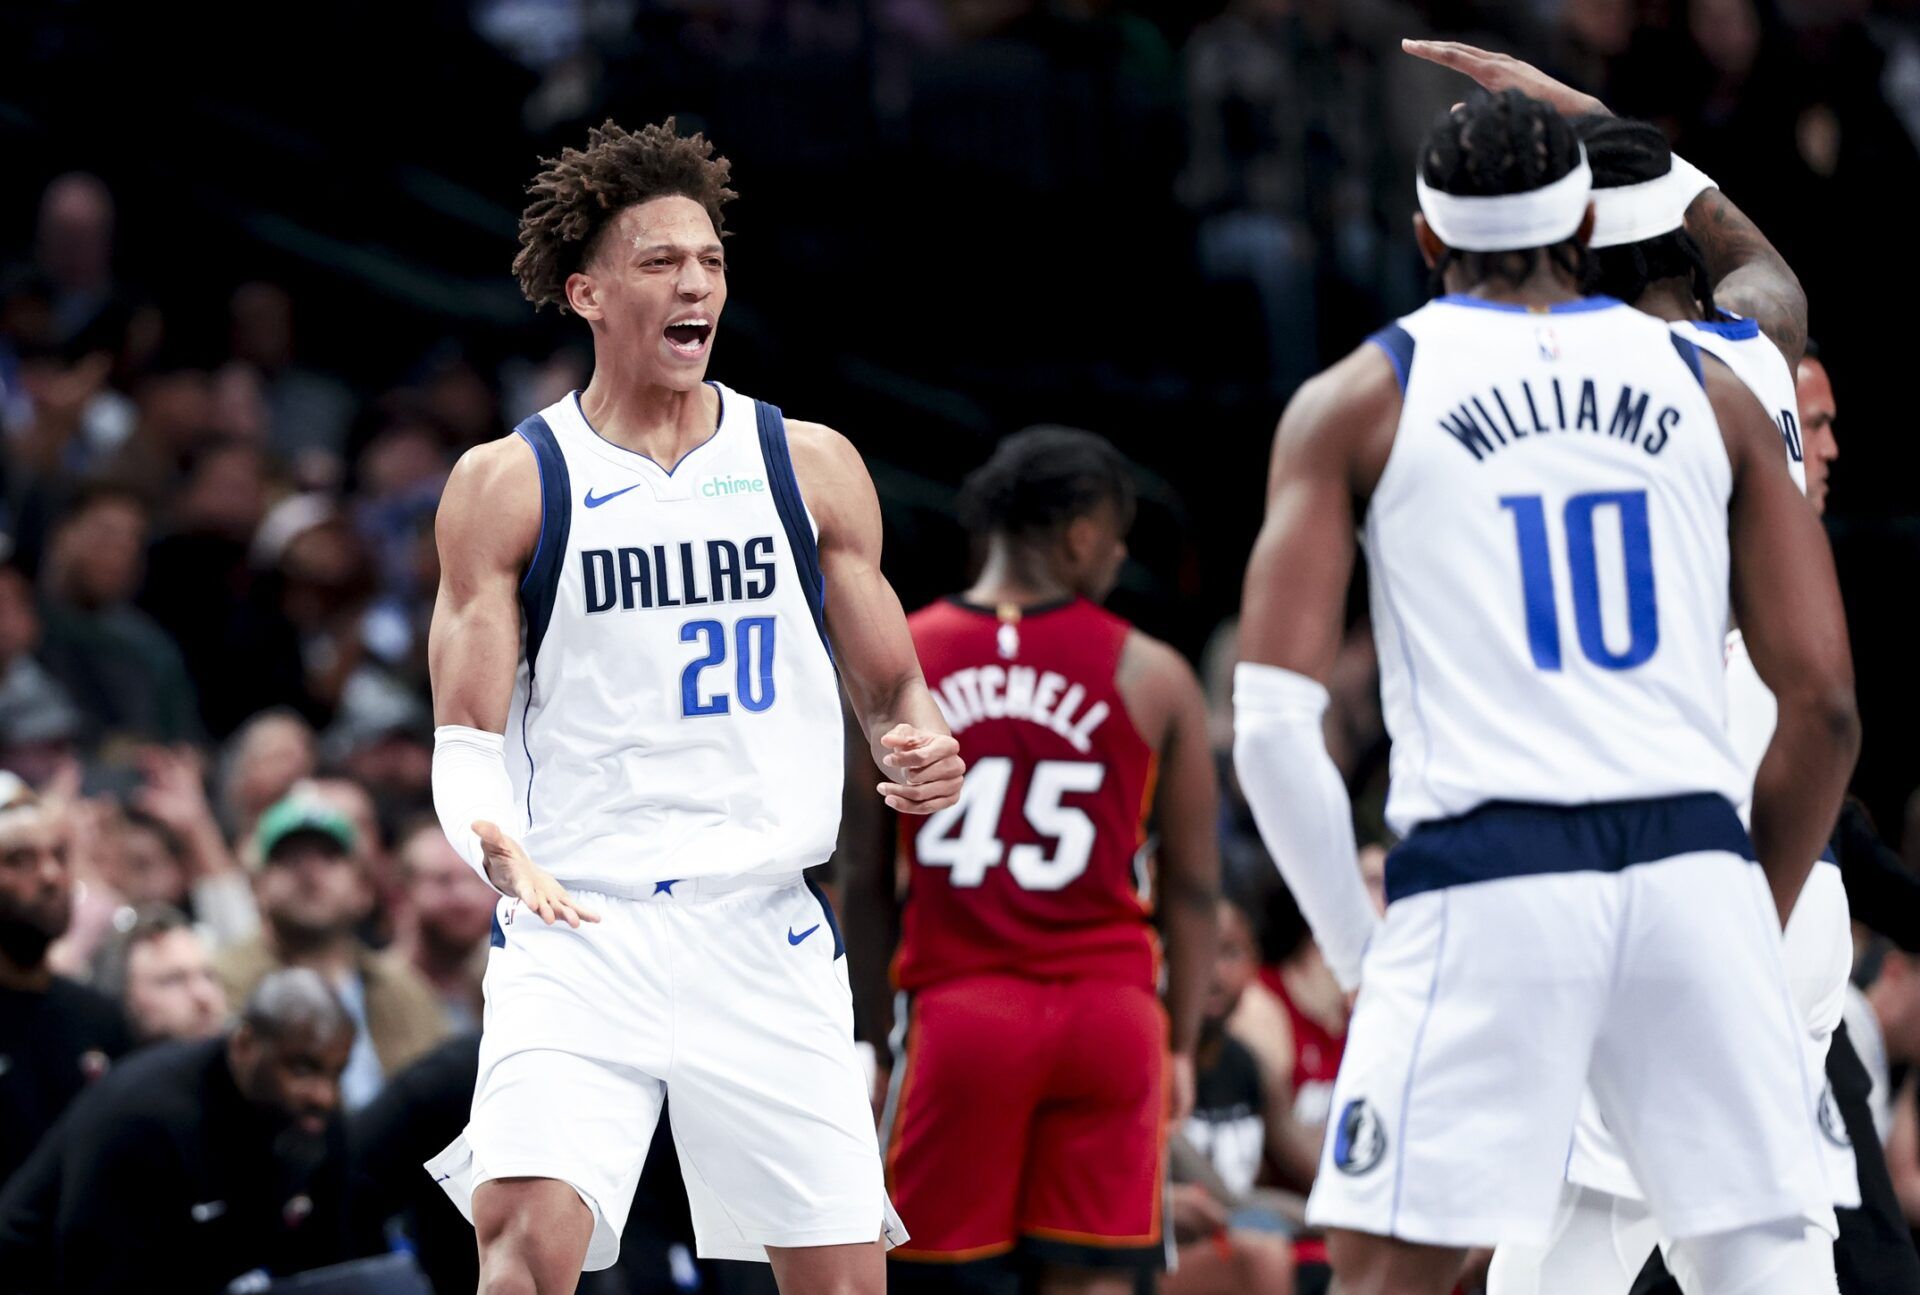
(255, 299)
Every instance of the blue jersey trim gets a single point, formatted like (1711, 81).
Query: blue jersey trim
(793, 513)
(718, 423)
(833, 923)
(1515, 839)
(1735, 328)
(541, 584)
(1397, 342)
(1598, 301)
(1691, 354)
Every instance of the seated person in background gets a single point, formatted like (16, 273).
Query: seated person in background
(1234, 1115)
(55, 1035)
(158, 968)
(444, 918)
(312, 894)
(1884, 1023)
(194, 1163)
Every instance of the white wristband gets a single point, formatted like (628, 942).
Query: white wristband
(1301, 806)
(470, 785)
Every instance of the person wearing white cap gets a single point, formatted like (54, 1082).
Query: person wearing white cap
(1561, 504)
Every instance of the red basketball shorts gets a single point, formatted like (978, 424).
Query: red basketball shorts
(1033, 1114)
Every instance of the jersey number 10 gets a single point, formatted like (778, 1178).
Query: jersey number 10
(965, 836)
(1583, 569)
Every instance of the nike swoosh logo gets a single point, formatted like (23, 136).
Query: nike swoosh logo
(795, 939)
(593, 502)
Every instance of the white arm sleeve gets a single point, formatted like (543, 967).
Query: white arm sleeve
(1300, 803)
(470, 783)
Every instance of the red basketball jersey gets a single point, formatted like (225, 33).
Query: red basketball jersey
(1033, 870)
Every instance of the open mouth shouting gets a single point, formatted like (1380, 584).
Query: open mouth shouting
(689, 336)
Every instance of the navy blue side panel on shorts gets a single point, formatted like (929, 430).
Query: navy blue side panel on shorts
(793, 512)
(542, 581)
(1512, 839)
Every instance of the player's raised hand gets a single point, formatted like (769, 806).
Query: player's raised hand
(513, 873)
(927, 770)
(1497, 72)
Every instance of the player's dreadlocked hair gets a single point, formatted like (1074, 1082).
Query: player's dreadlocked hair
(1496, 144)
(1043, 478)
(579, 193)
(1631, 152)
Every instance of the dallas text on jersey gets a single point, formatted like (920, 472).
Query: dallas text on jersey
(633, 577)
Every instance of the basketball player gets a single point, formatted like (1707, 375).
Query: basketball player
(1574, 901)
(645, 594)
(1029, 1115)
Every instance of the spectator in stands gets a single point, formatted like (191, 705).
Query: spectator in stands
(55, 1035)
(198, 1164)
(1229, 1240)
(313, 893)
(444, 921)
(260, 764)
(170, 811)
(158, 968)
(1884, 1022)
(38, 721)
(309, 411)
(120, 667)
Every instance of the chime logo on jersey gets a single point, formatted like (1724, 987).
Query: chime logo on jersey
(1359, 1140)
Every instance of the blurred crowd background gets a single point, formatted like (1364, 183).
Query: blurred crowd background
(255, 300)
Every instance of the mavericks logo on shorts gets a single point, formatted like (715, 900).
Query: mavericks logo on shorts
(1359, 1139)
(1831, 1122)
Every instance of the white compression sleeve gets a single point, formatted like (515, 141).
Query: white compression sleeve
(1300, 803)
(470, 783)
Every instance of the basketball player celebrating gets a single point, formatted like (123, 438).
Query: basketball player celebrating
(644, 595)
(1029, 1116)
(1574, 902)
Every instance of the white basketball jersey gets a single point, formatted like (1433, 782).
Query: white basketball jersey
(677, 712)
(1756, 361)
(1548, 556)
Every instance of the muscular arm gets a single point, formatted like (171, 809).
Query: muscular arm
(1331, 444)
(902, 726)
(1787, 602)
(488, 523)
(1155, 679)
(1749, 277)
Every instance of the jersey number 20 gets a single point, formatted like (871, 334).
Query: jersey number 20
(753, 665)
(965, 836)
(1583, 568)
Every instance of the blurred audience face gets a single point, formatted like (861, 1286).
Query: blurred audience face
(1728, 34)
(405, 456)
(262, 316)
(1895, 995)
(1603, 27)
(225, 493)
(295, 1075)
(240, 403)
(96, 555)
(326, 572)
(659, 262)
(171, 990)
(269, 754)
(76, 232)
(151, 869)
(36, 884)
(452, 907)
(311, 889)
(19, 620)
(1236, 964)
(176, 410)
(1817, 414)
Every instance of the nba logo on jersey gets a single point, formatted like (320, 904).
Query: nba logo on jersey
(1548, 341)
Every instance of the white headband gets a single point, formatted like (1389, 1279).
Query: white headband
(1629, 213)
(1508, 222)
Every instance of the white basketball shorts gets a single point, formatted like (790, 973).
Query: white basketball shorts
(1818, 947)
(730, 993)
(1486, 1009)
